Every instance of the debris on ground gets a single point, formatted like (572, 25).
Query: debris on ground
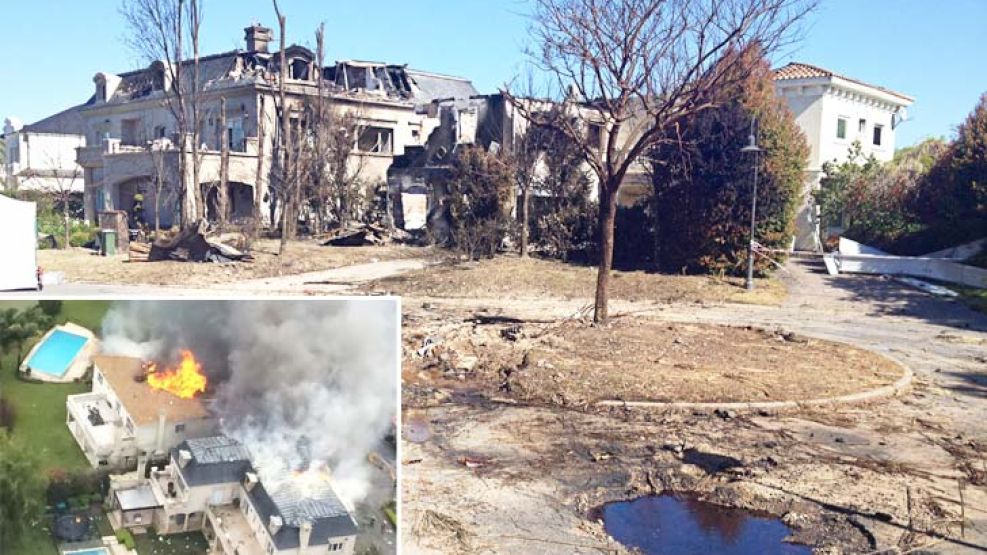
(362, 235)
(188, 245)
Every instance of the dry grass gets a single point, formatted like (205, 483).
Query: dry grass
(82, 266)
(512, 277)
(642, 359)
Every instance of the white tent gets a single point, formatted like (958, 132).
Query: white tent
(18, 244)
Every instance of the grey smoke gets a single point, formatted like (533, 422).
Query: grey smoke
(319, 373)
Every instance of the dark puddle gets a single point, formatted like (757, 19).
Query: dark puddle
(667, 524)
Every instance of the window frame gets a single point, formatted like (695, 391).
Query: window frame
(877, 136)
(844, 121)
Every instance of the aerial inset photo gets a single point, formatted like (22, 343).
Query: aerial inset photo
(247, 427)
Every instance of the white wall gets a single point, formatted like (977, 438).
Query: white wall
(38, 152)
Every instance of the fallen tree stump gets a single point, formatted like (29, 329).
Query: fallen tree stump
(191, 245)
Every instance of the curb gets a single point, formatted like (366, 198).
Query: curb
(883, 392)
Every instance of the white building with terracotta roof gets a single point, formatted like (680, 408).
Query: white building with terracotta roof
(124, 419)
(834, 112)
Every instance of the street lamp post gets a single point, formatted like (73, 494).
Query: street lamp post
(752, 148)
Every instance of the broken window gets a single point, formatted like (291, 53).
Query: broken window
(376, 140)
(130, 132)
(299, 69)
(235, 137)
(595, 135)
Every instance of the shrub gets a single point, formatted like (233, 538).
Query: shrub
(126, 538)
(479, 202)
(703, 180)
(51, 307)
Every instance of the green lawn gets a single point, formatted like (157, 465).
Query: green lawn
(40, 414)
(192, 543)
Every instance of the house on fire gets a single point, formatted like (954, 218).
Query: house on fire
(131, 134)
(210, 485)
(123, 420)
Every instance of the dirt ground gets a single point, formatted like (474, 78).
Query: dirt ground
(638, 359)
(511, 277)
(485, 471)
(84, 266)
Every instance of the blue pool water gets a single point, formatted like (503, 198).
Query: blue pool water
(97, 551)
(56, 353)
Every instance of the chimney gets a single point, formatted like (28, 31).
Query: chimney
(275, 524)
(304, 534)
(184, 457)
(257, 38)
(250, 481)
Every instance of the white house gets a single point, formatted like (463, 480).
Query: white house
(123, 418)
(42, 156)
(210, 485)
(834, 112)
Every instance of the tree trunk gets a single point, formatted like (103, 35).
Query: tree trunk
(285, 141)
(65, 216)
(224, 167)
(525, 196)
(258, 197)
(607, 218)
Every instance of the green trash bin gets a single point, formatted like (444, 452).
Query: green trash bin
(108, 242)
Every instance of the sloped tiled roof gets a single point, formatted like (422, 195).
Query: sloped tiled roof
(66, 122)
(328, 516)
(215, 460)
(433, 86)
(799, 70)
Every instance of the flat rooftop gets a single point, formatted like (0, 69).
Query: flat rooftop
(143, 402)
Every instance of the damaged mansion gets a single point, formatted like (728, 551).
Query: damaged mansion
(401, 119)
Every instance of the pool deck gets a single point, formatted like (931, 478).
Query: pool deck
(79, 364)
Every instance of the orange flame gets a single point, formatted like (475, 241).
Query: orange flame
(184, 381)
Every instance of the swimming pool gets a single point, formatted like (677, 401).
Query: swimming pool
(97, 551)
(55, 353)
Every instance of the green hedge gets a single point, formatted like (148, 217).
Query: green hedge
(126, 538)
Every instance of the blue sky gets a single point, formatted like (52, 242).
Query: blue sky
(928, 49)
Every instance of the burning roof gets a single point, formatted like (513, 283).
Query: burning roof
(126, 377)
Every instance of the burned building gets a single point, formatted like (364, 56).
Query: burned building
(210, 484)
(124, 420)
(131, 133)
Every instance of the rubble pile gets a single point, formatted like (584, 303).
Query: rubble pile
(188, 245)
(367, 235)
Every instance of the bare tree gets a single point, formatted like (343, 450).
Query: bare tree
(222, 200)
(632, 69)
(58, 185)
(157, 149)
(284, 178)
(159, 32)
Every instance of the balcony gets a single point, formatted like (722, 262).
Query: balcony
(172, 503)
(94, 423)
(229, 532)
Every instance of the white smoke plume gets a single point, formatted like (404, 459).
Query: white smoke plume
(296, 381)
